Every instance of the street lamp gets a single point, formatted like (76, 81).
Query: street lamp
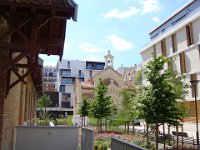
(194, 84)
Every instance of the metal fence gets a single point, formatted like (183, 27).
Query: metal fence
(117, 144)
(87, 139)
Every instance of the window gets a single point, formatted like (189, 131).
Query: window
(51, 74)
(90, 75)
(163, 47)
(66, 96)
(62, 88)
(66, 73)
(68, 64)
(174, 43)
(194, 77)
(154, 50)
(182, 62)
(66, 81)
(189, 33)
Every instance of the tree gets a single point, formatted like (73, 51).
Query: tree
(101, 105)
(43, 102)
(160, 102)
(84, 109)
(129, 103)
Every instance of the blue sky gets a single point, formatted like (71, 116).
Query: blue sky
(121, 26)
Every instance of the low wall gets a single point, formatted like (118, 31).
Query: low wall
(87, 139)
(46, 138)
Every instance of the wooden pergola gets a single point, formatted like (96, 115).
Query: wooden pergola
(34, 27)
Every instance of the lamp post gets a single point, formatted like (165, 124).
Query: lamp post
(194, 84)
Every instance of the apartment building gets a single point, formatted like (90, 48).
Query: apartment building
(178, 37)
(50, 79)
(67, 72)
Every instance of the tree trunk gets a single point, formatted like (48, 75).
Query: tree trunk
(81, 121)
(98, 125)
(147, 134)
(164, 135)
(84, 121)
(157, 130)
(127, 127)
(133, 127)
(169, 137)
(101, 125)
(177, 138)
(106, 124)
(182, 131)
(45, 110)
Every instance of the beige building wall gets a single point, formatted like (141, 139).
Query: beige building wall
(191, 54)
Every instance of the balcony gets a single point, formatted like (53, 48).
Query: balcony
(95, 65)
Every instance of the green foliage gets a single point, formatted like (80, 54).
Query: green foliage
(84, 107)
(43, 102)
(101, 105)
(129, 104)
(131, 95)
(115, 122)
(102, 144)
(42, 122)
(160, 101)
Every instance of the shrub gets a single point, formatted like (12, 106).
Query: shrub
(42, 122)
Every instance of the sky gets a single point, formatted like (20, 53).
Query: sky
(121, 26)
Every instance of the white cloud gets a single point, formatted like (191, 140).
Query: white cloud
(116, 13)
(155, 19)
(150, 6)
(88, 47)
(119, 43)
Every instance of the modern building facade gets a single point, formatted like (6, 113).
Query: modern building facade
(179, 38)
(50, 79)
(68, 71)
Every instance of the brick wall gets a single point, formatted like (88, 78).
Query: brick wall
(18, 108)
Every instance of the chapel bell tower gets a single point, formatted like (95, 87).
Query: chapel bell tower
(109, 60)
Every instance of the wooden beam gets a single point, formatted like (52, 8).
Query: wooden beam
(9, 64)
(15, 26)
(51, 41)
(28, 65)
(17, 74)
(15, 45)
(18, 80)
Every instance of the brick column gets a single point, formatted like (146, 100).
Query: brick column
(3, 77)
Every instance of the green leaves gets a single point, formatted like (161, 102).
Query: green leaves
(43, 101)
(84, 107)
(159, 102)
(102, 104)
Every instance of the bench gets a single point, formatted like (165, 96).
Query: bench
(184, 138)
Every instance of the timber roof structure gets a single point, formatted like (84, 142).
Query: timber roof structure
(30, 28)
